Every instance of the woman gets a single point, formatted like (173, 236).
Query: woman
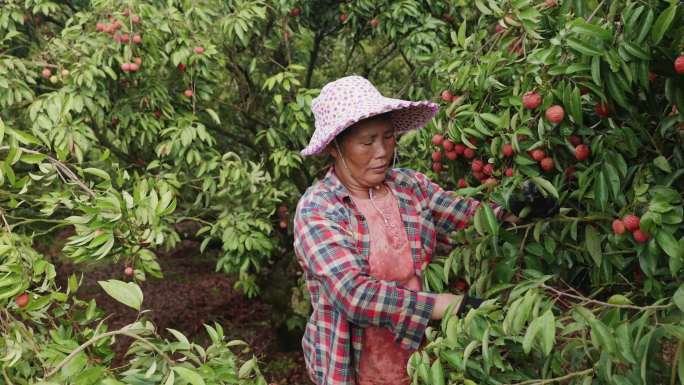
(363, 236)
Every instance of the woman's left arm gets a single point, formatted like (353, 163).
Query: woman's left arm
(452, 212)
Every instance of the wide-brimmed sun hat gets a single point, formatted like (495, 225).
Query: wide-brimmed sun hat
(350, 99)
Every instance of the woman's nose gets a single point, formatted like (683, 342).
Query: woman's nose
(383, 148)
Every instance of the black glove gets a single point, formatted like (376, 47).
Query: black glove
(540, 206)
(469, 302)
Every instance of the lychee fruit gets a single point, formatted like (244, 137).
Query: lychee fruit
(631, 222)
(531, 100)
(555, 114)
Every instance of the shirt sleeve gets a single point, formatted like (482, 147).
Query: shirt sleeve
(450, 212)
(327, 250)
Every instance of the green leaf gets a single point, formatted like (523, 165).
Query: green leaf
(678, 297)
(545, 185)
(180, 337)
(636, 51)
(576, 106)
(675, 264)
(213, 115)
(170, 379)
(461, 35)
(531, 333)
(479, 221)
(480, 6)
(97, 172)
(548, 332)
(612, 178)
(128, 293)
(593, 243)
(437, 373)
(582, 27)
(624, 343)
(584, 48)
(596, 69)
(247, 368)
(604, 337)
(615, 91)
(492, 222)
(662, 163)
(189, 375)
(645, 27)
(524, 161)
(662, 23)
(601, 190)
(32, 158)
(75, 365)
(619, 299)
(669, 244)
(469, 350)
(106, 381)
(675, 330)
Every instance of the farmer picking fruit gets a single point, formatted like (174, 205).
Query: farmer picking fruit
(362, 243)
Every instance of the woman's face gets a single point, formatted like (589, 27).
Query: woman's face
(368, 149)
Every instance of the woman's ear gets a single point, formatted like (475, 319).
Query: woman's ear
(331, 150)
(334, 149)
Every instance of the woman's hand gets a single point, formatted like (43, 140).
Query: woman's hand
(460, 302)
(442, 304)
(538, 205)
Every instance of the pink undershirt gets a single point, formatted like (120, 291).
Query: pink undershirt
(383, 361)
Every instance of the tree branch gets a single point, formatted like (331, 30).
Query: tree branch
(606, 304)
(60, 167)
(312, 58)
(406, 60)
(347, 60)
(382, 59)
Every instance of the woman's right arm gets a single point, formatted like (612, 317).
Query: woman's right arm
(328, 252)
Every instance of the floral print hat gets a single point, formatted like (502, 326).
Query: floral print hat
(350, 99)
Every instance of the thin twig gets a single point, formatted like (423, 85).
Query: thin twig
(589, 300)
(4, 220)
(61, 166)
(99, 337)
(555, 379)
(522, 244)
(5, 376)
(595, 10)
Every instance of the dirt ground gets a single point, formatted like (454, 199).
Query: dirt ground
(192, 294)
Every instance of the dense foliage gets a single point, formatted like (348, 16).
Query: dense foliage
(581, 100)
(128, 120)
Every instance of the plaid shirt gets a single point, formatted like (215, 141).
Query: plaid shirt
(332, 244)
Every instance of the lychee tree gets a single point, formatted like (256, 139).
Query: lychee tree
(125, 121)
(580, 101)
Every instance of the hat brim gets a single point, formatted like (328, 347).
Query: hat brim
(405, 115)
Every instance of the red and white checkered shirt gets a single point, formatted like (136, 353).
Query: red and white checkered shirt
(332, 242)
